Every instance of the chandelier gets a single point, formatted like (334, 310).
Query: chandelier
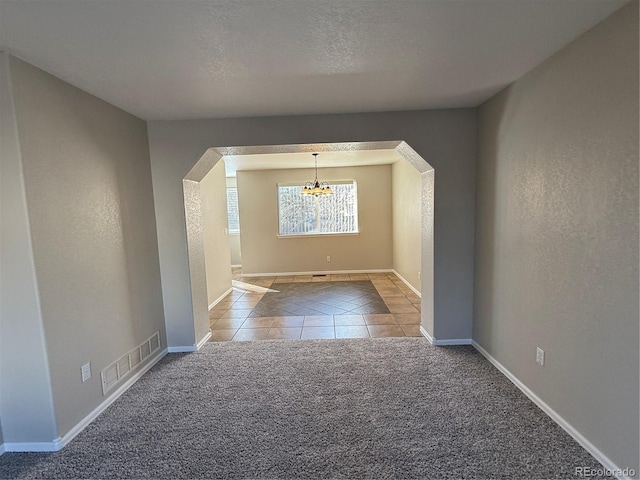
(316, 188)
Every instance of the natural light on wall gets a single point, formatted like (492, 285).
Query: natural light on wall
(318, 215)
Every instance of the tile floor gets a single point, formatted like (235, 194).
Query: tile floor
(297, 307)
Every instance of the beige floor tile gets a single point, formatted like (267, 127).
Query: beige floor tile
(302, 278)
(288, 279)
(396, 300)
(225, 303)
(407, 318)
(287, 322)
(348, 320)
(249, 303)
(310, 333)
(246, 334)
(285, 333)
(239, 313)
(258, 322)
(340, 277)
(379, 319)
(377, 331)
(216, 313)
(228, 323)
(390, 292)
(402, 309)
(411, 330)
(318, 321)
(358, 276)
(352, 331)
(222, 335)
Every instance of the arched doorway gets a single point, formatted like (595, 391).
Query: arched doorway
(194, 219)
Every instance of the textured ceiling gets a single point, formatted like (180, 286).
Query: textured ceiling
(176, 59)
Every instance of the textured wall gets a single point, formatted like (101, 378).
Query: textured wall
(217, 254)
(557, 233)
(264, 252)
(90, 206)
(407, 215)
(446, 139)
(26, 402)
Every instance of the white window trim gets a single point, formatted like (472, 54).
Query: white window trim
(317, 234)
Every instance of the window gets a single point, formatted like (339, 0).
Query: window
(324, 215)
(233, 214)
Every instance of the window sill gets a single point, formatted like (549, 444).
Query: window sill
(307, 235)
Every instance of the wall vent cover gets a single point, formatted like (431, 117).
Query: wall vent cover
(115, 373)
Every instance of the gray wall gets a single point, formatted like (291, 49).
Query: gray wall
(446, 139)
(92, 233)
(557, 233)
(26, 402)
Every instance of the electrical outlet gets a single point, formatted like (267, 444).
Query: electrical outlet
(539, 356)
(328, 258)
(86, 372)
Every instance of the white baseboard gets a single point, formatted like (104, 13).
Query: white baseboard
(426, 334)
(566, 426)
(60, 442)
(183, 349)
(324, 272)
(446, 341)
(452, 341)
(236, 266)
(219, 299)
(204, 340)
(404, 280)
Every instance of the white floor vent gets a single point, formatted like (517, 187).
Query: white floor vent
(118, 370)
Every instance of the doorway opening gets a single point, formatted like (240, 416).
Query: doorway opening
(195, 206)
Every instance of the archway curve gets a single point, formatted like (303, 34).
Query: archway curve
(194, 225)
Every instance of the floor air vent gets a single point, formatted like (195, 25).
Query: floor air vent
(120, 369)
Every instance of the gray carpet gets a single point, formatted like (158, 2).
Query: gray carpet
(370, 408)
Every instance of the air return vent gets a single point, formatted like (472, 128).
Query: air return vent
(115, 373)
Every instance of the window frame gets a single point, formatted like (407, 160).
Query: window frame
(331, 183)
(229, 229)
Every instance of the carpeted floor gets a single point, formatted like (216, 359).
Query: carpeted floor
(370, 408)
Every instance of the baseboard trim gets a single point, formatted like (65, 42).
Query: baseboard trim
(447, 341)
(183, 349)
(452, 341)
(426, 335)
(566, 426)
(60, 442)
(404, 280)
(219, 299)
(323, 272)
(204, 340)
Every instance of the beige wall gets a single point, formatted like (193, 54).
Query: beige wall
(407, 217)
(264, 252)
(216, 241)
(557, 233)
(92, 226)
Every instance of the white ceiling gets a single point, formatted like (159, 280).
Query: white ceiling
(177, 59)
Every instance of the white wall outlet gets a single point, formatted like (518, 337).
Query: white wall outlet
(86, 372)
(539, 356)
(328, 258)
